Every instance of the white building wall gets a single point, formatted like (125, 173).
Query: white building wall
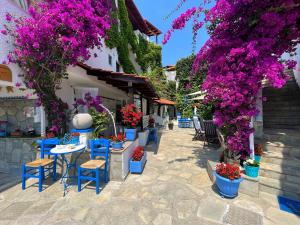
(12, 8)
(171, 75)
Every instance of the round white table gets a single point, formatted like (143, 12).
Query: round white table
(63, 150)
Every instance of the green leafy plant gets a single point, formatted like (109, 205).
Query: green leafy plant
(100, 121)
(253, 163)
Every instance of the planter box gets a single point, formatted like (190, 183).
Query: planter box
(130, 134)
(138, 166)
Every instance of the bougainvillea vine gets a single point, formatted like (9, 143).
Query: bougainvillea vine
(56, 34)
(247, 40)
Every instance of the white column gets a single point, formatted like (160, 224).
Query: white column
(251, 140)
(43, 122)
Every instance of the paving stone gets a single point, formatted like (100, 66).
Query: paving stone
(14, 211)
(163, 219)
(212, 209)
(241, 216)
(279, 217)
(146, 214)
(186, 208)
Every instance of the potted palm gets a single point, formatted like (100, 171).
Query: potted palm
(252, 168)
(117, 141)
(138, 160)
(228, 179)
(131, 118)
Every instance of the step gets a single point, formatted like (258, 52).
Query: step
(281, 148)
(281, 126)
(273, 170)
(285, 136)
(281, 159)
(282, 104)
(276, 187)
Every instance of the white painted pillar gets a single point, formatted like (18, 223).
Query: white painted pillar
(251, 140)
(43, 122)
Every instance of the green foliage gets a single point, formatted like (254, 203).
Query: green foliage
(194, 81)
(100, 121)
(123, 36)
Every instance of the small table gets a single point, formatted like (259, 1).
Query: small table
(63, 150)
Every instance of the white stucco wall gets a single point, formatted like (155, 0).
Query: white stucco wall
(297, 70)
(12, 8)
(171, 75)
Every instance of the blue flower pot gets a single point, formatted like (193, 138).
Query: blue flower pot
(252, 171)
(117, 145)
(257, 158)
(227, 188)
(138, 166)
(130, 134)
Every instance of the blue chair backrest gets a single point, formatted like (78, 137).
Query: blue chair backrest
(47, 144)
(100, 147)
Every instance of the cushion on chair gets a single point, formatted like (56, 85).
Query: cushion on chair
(93, 164)
(40, 162)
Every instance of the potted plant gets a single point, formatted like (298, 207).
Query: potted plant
(258, 151)
(131, 117)
(251, 168)
(138, 160)
(151, 122)
(100, 121)
(170, 125)
(117, 141)
(228, 179)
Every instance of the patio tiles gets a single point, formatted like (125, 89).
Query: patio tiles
(174, 189)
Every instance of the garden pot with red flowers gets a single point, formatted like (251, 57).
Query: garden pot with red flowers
(228, 179)
(131, 118)
(138, 160)
(117, 141)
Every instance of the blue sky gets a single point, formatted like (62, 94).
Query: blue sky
(180, 44)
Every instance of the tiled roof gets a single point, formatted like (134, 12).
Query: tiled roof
(164, 102)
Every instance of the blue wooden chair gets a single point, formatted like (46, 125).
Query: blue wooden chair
(38, 167)
(90, 170)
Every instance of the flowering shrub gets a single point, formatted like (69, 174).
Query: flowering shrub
(90, 102)
(228, 171)
(138, 153)
(131, 115)
(119, 138)
(247, 39)
(57, 34)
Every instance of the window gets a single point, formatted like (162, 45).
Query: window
(117, 67)
(109, 59)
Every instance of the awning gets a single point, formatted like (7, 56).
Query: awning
(164, 102)
(197, 93)
(141, 85)
(198, 98)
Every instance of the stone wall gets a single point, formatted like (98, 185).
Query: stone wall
(13, 112)
(14, 152)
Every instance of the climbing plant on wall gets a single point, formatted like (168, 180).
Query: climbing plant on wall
(121, 36)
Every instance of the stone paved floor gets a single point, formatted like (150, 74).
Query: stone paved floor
(173, 189)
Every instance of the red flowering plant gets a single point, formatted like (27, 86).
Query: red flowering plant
(228, 171)
(138, 153)
(131, 115)
(119, 138)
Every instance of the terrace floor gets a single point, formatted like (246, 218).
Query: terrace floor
(173, 189)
